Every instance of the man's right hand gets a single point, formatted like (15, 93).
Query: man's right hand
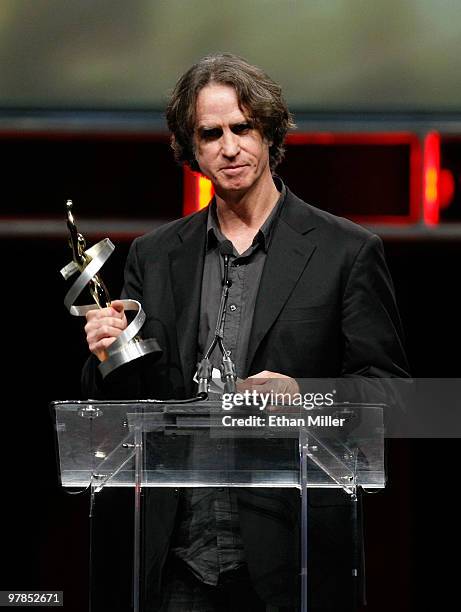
(103, 326)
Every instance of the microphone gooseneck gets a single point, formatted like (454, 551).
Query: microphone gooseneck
(204, 369)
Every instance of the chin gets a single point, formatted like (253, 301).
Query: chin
(244, 182)
(235, 188)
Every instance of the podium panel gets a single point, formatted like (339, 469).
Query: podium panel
(150, 447)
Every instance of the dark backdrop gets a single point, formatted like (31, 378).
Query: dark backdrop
(410, 527)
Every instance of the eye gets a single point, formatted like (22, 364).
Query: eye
(242, 128)
(208, 134)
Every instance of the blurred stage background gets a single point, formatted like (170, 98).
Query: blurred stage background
(376, 92)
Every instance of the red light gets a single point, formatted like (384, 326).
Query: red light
(447, 188)
(198, 191)
(431, 174)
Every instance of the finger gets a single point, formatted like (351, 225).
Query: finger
(106, 321)
(95, 334)
(99, 348)
(264, 375)
(118, 306)
(257, 379)
(100, 313)
(251, 383)
(264, 388)
(105, 331)
(102, 344)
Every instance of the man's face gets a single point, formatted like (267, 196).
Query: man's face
(229, 150)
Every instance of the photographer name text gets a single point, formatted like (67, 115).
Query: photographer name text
(276, 420)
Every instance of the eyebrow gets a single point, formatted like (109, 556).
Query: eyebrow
(204, 129)
(208, 128)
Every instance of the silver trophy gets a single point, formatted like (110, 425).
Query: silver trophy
(128, 346)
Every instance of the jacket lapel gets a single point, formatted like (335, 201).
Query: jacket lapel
(289, 253)
(186, 270)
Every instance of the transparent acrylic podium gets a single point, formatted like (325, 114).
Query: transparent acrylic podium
(148, 444)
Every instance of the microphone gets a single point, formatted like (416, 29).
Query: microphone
(204, 370)
(226, 250)
(228, 374)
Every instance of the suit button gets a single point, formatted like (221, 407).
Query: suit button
(233, 307)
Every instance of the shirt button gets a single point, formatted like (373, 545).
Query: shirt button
(233, 307)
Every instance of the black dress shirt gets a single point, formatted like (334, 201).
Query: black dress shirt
(207, 537)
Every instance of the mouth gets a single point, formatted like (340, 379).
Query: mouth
(234, 169)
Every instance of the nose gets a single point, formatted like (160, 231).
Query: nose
(230, 144)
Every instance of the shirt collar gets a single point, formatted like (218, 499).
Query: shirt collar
(264, 234)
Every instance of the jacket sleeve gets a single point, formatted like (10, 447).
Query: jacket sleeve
(371, 326)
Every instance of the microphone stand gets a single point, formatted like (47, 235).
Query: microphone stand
(204, 369)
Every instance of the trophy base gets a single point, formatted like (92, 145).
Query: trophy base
(134, 349)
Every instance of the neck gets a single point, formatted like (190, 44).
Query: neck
(246, 211)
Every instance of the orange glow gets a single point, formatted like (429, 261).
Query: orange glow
(431, 197)
(205, 191)
(431, 187)
(198, 191)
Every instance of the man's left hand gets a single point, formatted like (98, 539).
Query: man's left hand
(267, 382)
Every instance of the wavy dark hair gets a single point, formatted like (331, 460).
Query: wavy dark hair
(258, 95)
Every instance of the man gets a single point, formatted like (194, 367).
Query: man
(310, 297)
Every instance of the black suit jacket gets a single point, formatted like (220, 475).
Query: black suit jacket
(325, 309)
